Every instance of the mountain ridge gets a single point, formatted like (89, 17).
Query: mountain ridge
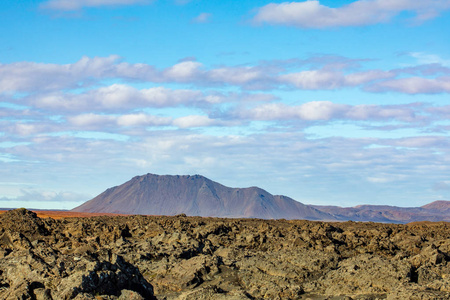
(196, 195)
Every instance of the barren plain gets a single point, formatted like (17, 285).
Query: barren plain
(155, 257)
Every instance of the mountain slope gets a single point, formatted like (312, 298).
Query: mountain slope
(435, 212)
(441, 205)
(197, 196)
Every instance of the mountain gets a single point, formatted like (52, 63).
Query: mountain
(441, 205)
(196, 195)
(435, 212)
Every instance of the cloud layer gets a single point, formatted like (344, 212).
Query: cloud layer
(192, 118)
(312, 14)
(316, 73)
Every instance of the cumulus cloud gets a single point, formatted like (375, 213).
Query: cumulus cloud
(28, 128)
(330, 79)
(194, 121)
(326, 110)
(183, 71)
(103, 122)
(73, 5)
(34, 77)
(31, 76)
(312, 14)
(119, 96)
(413, 85)
(49, 80)
(98, 121)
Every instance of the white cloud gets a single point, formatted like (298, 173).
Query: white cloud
(425, 58)
(361, 78)
(25, 129)
(330, 80)
(326, 110)
(203, 18)
(73, 5)
(314, 80)
(36, 77)
(107, 123)
(311, 14)
(45, 82)
(194, 121)
(142, 120)
(118, 96)
(183, 71)
(237, 75)
(91, 120)
(32, 77)
(96, 121)
(413, 85)
(310, 111)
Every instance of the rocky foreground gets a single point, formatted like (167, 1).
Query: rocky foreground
(143, 257)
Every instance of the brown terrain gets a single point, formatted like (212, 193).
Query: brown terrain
(59, 214)
(179, 257)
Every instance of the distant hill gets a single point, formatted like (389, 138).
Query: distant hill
(434, 212)
(196, 195)
(441, 205)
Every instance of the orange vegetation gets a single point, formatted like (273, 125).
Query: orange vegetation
(58, 214)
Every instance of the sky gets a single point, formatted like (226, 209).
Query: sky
(327, 102)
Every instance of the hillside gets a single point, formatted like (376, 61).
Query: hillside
(196, 195)
(390, 214)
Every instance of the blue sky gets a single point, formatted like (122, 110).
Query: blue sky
(328, 102)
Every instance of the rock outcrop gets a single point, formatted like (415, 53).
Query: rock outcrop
(179, 257)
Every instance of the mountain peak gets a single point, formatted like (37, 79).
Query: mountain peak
(438, 205)
(196, 195)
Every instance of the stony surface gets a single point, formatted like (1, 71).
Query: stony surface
(141, 257)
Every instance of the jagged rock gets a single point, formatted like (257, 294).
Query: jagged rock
(139, 257)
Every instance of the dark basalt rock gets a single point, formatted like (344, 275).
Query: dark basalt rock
(180, 257)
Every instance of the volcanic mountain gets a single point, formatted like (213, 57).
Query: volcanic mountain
(197, 196)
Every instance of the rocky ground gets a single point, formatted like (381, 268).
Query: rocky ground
(143, 257)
